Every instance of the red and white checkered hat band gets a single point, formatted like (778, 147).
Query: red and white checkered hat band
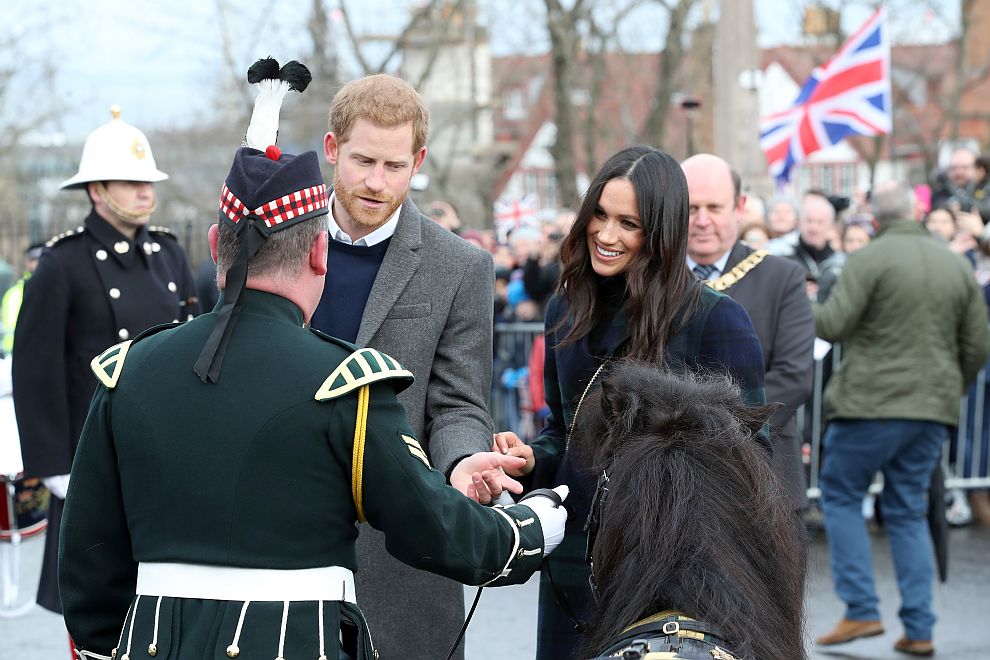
(273, 213)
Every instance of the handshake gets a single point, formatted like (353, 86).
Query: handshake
(487, 478)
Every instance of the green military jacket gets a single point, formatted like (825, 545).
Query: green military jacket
(256, 471)
(913, 325)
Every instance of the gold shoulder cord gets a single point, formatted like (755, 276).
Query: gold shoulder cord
(737, 273)
(357, 459)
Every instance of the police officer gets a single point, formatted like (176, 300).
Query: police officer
(225, 461)
(104, 282)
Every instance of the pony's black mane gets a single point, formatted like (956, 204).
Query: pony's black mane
(695, 519)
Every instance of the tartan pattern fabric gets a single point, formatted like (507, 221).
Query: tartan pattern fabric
(279, 210)
(719, 337)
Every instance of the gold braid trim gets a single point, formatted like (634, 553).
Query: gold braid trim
(357, 459)
(737, 273)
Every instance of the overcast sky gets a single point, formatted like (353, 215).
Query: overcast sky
(158, 59)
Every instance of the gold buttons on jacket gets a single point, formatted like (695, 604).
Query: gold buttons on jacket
(152, 650)
(123, 333)
(147, 247)
(172, 287)
(121, 247)
(114, 293)
(101, 255)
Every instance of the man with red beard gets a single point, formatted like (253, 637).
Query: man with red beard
(402, 284)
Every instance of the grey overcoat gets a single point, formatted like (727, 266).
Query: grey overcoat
(431, 309)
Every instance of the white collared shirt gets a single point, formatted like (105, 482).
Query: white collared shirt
(382, 233)
(719, 265)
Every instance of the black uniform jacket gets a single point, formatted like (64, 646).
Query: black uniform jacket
(93, 288)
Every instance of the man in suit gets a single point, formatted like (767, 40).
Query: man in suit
(402, 284)
(771, 289)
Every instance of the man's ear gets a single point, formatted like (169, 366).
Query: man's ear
(418, 160)
(318, 253)
(740, 203)
(330, 147)
(212, 235)
(91, 191)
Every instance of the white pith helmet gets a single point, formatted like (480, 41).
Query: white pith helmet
(115, 151)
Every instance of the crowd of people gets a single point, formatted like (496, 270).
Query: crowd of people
(350, 355)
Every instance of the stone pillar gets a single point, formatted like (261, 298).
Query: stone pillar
(736, 109)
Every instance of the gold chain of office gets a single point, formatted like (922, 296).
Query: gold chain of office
(737, 273)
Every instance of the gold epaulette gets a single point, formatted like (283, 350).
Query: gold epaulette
(733, 276)
(362, 367)
(65, 234)
(108, 364)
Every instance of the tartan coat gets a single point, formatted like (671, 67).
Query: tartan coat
(257, 471)
(719, 337)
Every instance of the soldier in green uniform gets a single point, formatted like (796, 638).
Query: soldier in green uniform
(211, 510)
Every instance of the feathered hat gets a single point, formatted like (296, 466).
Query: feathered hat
(265, 191)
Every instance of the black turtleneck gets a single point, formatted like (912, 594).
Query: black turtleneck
(611, 296)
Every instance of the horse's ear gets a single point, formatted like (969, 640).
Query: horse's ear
(610, 402)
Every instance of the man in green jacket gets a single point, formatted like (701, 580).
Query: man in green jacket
(912, 321)
(212, 504)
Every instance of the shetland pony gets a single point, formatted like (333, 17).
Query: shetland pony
(689, 518)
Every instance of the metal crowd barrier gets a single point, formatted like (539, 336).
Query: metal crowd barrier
(965, 457)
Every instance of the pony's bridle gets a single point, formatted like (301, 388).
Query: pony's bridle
(592, 525)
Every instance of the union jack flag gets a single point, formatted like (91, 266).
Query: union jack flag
(850, 94)
(513, 213)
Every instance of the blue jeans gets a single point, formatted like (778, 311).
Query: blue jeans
(905, 451)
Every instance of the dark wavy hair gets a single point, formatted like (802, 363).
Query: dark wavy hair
(695, 520)
(661, 293)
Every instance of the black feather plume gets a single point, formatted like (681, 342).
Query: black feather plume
(296, 74)
(264, 69)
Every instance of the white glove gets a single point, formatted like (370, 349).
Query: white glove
(552, 517)
(57, 485)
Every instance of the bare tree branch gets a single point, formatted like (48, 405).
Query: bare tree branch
(435, 47)
(352, 37)
(654, 128)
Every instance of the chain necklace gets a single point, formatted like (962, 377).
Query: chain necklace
(570, 431)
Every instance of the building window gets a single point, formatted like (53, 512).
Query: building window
(513, 108)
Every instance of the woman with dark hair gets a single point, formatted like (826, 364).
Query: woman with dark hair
(695, 549)
(625, 291)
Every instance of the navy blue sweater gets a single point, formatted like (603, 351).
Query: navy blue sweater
(351, 272)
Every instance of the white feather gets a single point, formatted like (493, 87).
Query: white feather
(264, 120)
